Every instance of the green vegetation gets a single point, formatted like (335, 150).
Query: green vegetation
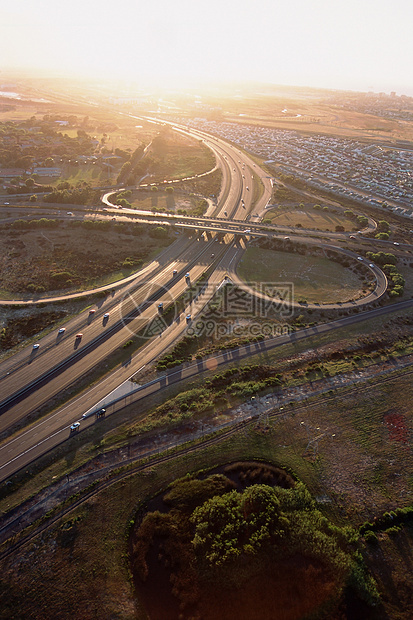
(396, 281)
(216, 534)
(382, 258)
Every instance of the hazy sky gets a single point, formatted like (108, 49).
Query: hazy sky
(351, 44)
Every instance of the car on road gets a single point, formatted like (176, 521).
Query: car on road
(188, 318)
(92, 311)
(247, 188)
(101, 412)
(247, 231)
(106, 315)
(212, 255)
(160, 307)
(62, 330)
(79, 336)
(74, 426)
(69, 213)
(36, 346)
(175, 271)
(395, 243)
(352, 237)
(359, 258)
(187, 276)
(371, 265)
(286, 238)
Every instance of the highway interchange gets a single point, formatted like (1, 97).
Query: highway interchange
(33, 377)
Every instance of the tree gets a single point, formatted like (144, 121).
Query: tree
(235, 523)
(362, 221)
(383, 226)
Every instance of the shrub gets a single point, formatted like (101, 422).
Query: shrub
(370, 538)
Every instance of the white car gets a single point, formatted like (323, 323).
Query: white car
(36, 346)
(75, 426)
(395, 243)
(359, 258)
(106, 315)
(188, 318)
(62, 330)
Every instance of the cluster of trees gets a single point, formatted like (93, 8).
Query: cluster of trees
(382, 258)
(383, 230)
(72, 195)
(360, 220)
(387, 261)
(38, 140)
(43, 222)
(122, 199)
(395, 279)
(215, 534)
(233, 524)
(133, 166)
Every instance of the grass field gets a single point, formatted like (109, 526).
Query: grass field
(315, 279)
(308, 218)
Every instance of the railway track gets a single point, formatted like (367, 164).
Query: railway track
(132, 466)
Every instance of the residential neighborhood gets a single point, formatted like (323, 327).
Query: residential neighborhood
(371, 173)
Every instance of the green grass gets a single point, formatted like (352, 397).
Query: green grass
(315, 279)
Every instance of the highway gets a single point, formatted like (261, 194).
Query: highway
(49, 432)
(32, 378)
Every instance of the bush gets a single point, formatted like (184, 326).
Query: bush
(371, 538)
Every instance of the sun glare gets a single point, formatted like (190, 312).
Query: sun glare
(312, 43)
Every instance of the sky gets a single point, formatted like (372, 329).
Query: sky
(358, 45)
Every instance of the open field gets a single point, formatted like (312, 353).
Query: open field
(308, 218)
(349, 115)
(315, 279)
(70, 257)
(162, 200)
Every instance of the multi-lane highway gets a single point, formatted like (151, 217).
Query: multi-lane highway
(33, 377)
